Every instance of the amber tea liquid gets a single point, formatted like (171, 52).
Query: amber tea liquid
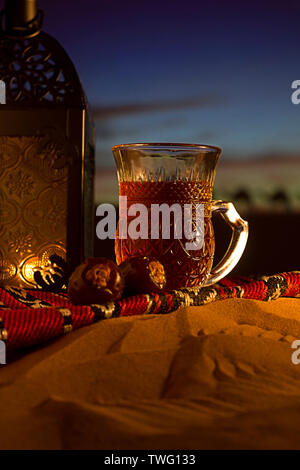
(183, 268)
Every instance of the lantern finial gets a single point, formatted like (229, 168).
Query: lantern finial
(21, 18)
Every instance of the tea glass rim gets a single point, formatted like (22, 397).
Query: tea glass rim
(168, 146)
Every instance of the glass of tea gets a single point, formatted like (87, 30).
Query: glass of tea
(166, 211)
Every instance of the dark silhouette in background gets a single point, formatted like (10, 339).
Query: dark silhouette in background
(242, 195)
(280, 198)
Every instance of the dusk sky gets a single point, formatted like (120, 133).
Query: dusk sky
(240, 57)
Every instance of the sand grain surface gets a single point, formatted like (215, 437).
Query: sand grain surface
(219, 376)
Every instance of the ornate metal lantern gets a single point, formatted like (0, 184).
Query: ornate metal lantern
(46, 155)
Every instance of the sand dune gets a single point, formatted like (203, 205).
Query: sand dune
(215, 376)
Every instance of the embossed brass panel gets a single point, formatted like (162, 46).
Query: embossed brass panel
(33, 207)
(45, 181)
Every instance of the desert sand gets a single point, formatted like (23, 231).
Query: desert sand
(219, 376)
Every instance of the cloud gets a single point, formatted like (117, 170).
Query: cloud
(106, 112)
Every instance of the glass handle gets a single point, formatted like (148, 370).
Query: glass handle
(237, 243)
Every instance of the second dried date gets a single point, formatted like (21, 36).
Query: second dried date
(143, 275)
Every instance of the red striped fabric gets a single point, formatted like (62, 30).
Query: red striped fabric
(30, 317)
